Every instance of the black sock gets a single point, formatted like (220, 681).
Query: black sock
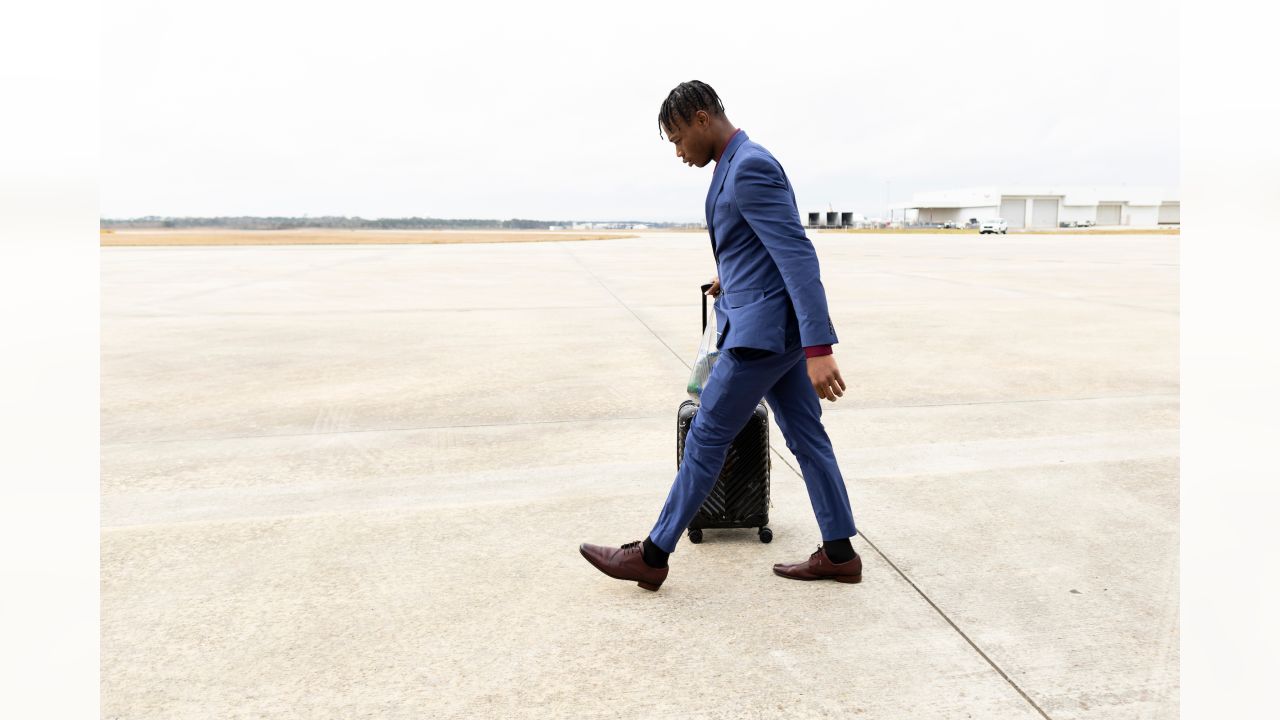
(838, 550)
(654, 556)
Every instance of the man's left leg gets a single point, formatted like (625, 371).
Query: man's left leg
(798, 411)
(738, 382)
(733, 390)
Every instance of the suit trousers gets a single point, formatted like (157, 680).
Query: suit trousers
(740, 378)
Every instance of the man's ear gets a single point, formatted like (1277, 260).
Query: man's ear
(702, 118)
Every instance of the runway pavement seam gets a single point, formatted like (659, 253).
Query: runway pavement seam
(506, 486)
(862, 533)
(1013, 402)
(1033, 293)
(843, 410)
(290, 273)
(371, 311)
(628, 307)
(379, 430)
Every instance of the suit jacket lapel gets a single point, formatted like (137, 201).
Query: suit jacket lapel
(717, 184)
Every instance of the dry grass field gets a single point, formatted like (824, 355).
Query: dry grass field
(157, 238)
(940, 231)
(215, 237)
(1049, 231)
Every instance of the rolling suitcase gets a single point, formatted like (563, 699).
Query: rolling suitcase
(740, 498)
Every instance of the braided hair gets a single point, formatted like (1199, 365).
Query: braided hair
(686, 99)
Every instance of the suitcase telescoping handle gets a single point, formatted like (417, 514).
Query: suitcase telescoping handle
(705, 288)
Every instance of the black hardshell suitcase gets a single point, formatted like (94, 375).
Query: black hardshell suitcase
(740, 498)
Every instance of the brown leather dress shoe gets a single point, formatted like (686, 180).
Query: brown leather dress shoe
(624, 563)
(820, 567)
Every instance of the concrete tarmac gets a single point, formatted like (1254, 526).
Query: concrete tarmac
(350, 482)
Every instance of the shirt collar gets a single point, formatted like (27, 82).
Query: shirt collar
(720, 152)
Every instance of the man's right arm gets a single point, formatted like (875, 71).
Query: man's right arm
(767, 206)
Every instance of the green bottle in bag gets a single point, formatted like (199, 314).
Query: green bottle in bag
(708, 353)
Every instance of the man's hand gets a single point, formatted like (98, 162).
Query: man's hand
(825, 376)
(715, 286)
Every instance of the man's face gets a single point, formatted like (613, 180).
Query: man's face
(693, 142)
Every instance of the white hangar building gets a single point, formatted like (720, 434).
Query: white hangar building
(1048, 207)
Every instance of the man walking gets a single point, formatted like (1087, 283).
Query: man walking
(775, 338)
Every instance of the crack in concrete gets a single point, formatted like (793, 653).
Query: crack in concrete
(933, 605)
(623, 304)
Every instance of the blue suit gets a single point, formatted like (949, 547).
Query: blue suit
(771, 306)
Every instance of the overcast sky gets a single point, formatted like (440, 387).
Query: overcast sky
(549, 110)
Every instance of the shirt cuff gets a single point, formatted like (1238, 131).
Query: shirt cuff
(817, 351)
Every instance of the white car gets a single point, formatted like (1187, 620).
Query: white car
(995, 225)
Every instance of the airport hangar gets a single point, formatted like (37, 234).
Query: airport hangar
(1047, 207)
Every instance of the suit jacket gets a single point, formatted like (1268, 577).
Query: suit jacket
(771, 295)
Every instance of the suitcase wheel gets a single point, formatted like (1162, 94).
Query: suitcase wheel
(766, 535)
(695, 535)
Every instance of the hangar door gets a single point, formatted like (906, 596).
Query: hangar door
(1044, 213)
(1169, 213)
(1108, 213)
(1014, 211)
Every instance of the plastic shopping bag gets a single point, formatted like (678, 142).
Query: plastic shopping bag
(708, 353)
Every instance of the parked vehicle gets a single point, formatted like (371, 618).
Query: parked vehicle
(994, 225)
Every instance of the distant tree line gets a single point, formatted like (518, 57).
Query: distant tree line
(339, 222)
